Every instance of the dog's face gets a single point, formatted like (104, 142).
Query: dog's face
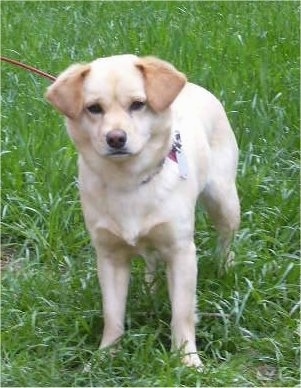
(115, 104)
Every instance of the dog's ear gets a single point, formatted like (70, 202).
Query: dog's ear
(163, 82)
(66, 93)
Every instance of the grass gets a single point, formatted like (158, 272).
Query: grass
(246, 53)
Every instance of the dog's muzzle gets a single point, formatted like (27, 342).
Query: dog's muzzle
(116, 139)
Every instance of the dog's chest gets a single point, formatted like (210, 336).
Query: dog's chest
(130, 217)
(130, 220)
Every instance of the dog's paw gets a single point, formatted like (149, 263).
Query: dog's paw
(111, 342)
(192, 360)
(229, 260)
(226, 263)
(111, 351)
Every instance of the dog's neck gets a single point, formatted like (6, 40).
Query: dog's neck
(177, 155)
(154, 173)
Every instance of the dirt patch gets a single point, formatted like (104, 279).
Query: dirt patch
(8, 258)
(266, 373)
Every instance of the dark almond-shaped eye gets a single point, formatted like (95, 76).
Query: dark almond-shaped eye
(136, 105)
(95, 109)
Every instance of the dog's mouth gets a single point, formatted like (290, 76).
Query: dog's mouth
(119, 154)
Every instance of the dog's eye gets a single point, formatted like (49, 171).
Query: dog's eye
(136, 105)
(95, 109)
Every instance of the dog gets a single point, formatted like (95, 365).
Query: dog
(150, 145)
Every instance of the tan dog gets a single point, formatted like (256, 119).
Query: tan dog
(149, 145)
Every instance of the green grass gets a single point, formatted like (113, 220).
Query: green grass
(246, 53)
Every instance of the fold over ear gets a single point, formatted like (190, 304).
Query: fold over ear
(163, 82)
(66, 93)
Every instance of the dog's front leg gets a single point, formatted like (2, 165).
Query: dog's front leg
(182, 278)
(113, 274)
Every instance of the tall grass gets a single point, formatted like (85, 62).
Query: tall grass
(246, 53)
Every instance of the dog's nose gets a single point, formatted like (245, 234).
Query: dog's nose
(116, 138)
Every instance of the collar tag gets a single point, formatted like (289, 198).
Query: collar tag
(180, 156)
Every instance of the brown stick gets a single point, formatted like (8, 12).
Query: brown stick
(29, 68)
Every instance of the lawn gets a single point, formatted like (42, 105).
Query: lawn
(246, 53)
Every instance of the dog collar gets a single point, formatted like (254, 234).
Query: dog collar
(177, 155)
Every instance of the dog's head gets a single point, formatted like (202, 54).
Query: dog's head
(116, 103)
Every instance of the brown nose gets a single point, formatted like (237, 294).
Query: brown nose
(116, 138)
